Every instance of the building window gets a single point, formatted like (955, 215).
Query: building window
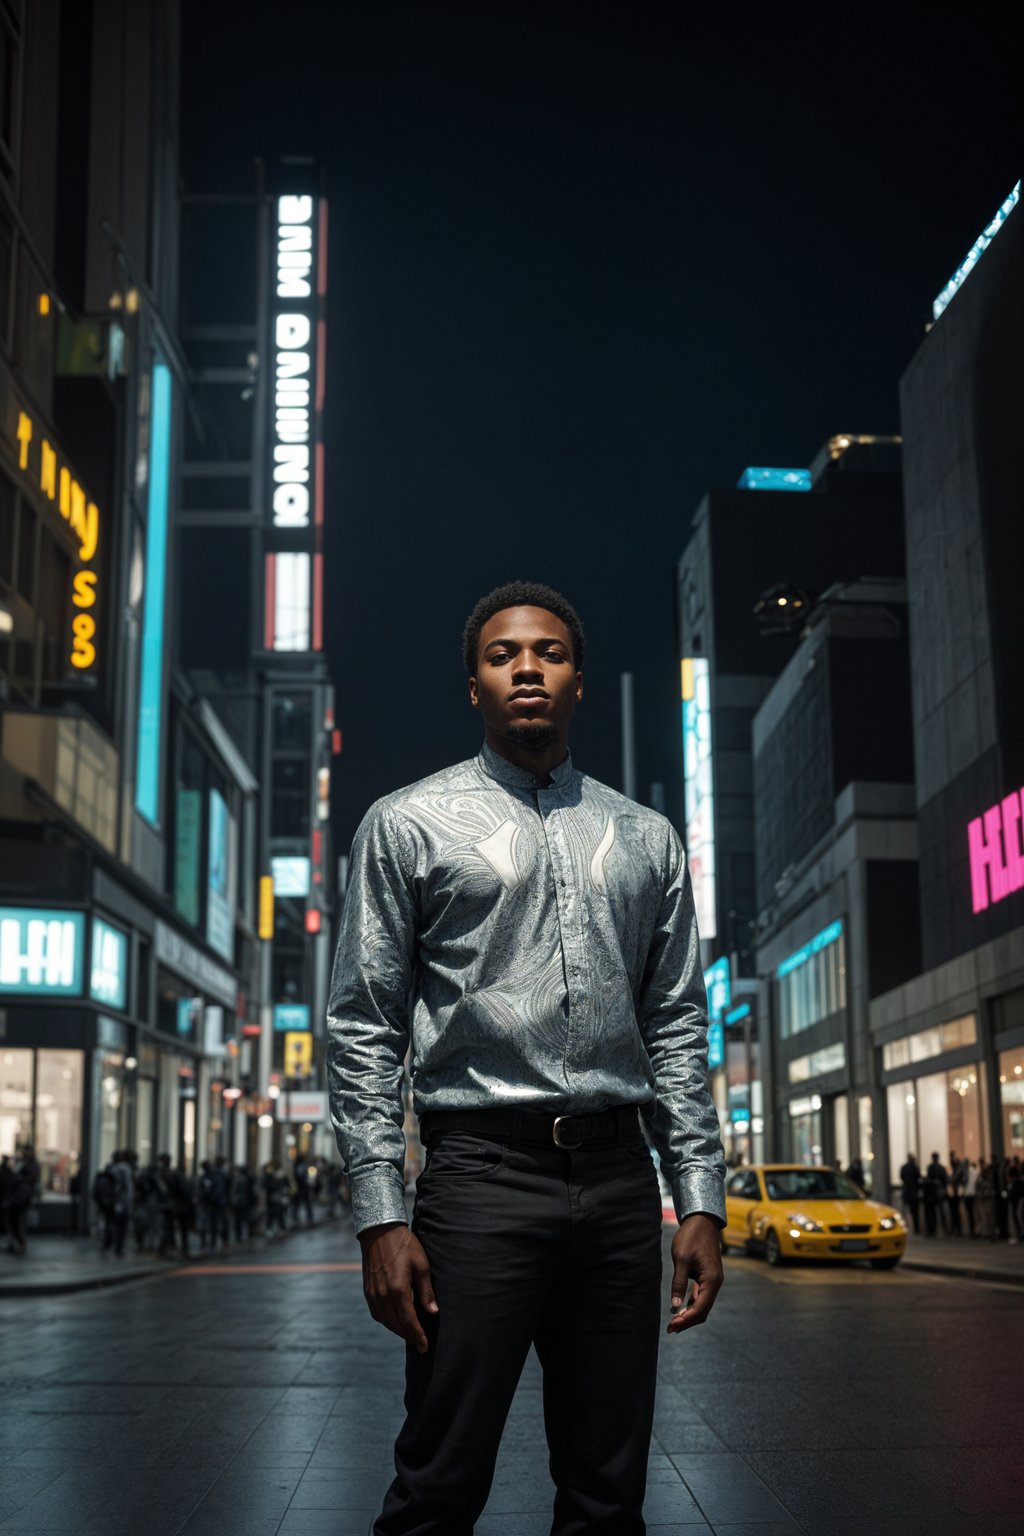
(831, 1058)
(58, 1129)
(810, 984)
(941, 1112)
(8, 94)
(15, 1101)
(1011, 1100)
(951, 1036)
(805, 1130)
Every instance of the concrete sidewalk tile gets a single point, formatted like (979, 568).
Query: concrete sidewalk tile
(727, 1490)
(327, 1522)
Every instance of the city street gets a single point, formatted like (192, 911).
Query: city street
(255, 1396)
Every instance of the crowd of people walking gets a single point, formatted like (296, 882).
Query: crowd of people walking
(982, 1197)
(165, 1210)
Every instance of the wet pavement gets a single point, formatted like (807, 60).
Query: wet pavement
(253, 1394)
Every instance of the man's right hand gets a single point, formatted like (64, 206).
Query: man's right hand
(395, 1269)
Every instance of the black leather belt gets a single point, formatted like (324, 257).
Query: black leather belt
(605, 1127)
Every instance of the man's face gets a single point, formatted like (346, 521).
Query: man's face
(526, 684)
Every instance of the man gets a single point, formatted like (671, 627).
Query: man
(910, 1184)
(528, 936)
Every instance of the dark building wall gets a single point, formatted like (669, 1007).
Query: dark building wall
(869, 690)
(813, 539)
(793, 785)
(893, 914)
(961, 403)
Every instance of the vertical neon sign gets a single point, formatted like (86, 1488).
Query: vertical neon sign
(699, 790)
(151, 681)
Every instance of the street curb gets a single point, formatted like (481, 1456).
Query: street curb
(963, 1271)
(159, 1271)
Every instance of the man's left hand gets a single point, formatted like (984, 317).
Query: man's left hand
(696, 1257)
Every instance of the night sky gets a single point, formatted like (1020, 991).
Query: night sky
(586, 262)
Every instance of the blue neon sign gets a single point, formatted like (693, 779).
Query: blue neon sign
(716, 1045)
(151, 681)
(976, 251)
(41, 952)
(291, 1016)
(108, 971)
(718, 980)
(738, 1013)
(800, 956)
(761, 478)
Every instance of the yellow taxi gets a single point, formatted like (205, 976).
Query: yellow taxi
(789, 1211)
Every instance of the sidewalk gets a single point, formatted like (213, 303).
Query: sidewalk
(972, 1258)
(56, 1264)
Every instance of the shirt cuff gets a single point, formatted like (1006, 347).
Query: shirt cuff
(699, 1191)
(378, 1196)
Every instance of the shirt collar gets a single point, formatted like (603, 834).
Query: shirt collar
(497, 767)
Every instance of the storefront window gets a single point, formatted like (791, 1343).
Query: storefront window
(941, 1112)
(805, 1130)
(144, 1098)
(1011, 1100)
(110, 1108)
(58, 1130)
(15, 1100)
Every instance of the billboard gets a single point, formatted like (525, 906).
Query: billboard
(41, 952)
(220, 896)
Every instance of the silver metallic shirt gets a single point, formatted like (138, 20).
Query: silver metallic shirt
(537, 947)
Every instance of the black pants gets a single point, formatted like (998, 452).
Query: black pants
(115, 1227)
(531, 1244)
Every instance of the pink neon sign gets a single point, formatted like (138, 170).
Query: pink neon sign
(997, 855)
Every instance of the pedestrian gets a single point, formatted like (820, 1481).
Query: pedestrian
(24, 1179)
(954, 1193)
(146, 1215)
(301, 1191)
(970, 1196)
(6, 1185)
(333, 1181)
(936, 1183)
(114, 1193)
(855, 1172)
(910, 1187)
(243, 1202)
(275, 1191)
(1014, 1175)
(175, 1202)
(531, 934)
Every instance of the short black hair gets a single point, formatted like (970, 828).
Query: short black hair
(521, 594)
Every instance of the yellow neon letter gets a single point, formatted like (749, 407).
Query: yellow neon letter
(83, 593)
(24, 438)
(89, 533)
(48, 470)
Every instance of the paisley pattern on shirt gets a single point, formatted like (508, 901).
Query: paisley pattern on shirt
(525, 945)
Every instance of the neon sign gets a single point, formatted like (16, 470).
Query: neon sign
(997, 856)
(109, 970)
(758, 478)
(294, 578)
(699, 797)
(41, 951)
(976, 252)
(46, 468)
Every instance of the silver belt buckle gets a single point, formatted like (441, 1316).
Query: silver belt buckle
(556, 1135)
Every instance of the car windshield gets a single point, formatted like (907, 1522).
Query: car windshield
(810, 1184)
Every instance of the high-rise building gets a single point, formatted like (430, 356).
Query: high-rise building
(757, 559)
(950, 1042)
(254, 282)
(836, 868)
(123, 905)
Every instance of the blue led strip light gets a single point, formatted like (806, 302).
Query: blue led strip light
(147, 767)
(976, 251)
(800, 956)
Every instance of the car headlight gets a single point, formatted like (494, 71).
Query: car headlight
(888, 1223)
(805, 1223)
